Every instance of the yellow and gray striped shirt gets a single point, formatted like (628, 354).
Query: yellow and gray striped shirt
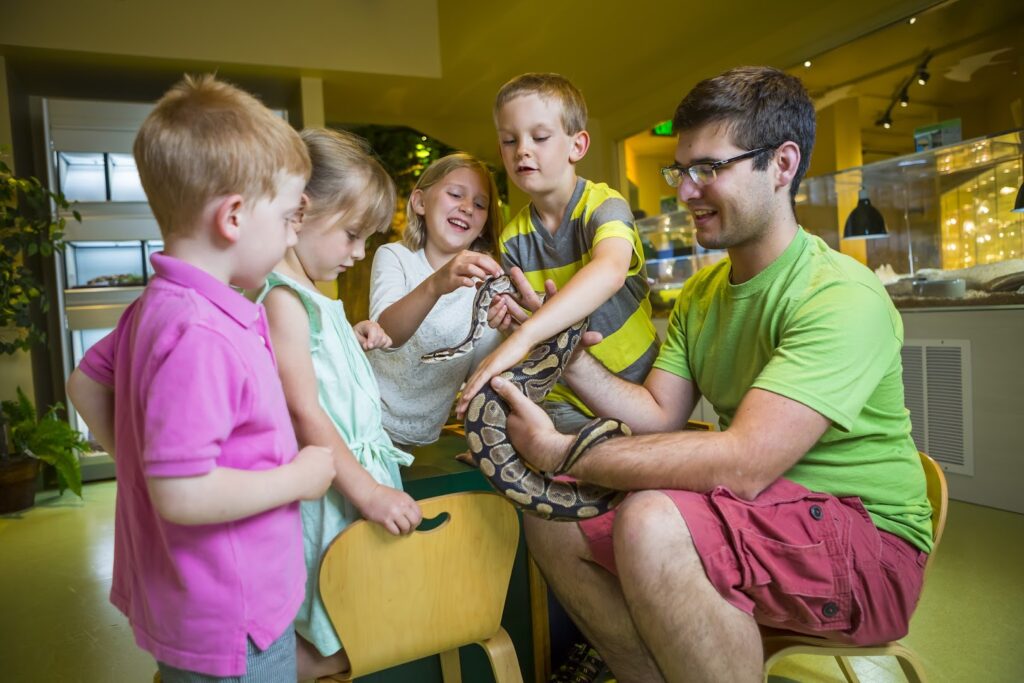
(595, 212)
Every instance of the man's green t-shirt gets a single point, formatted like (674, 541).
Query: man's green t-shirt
(817, 327)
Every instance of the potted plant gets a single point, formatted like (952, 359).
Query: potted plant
(29, 229)
(36, 439)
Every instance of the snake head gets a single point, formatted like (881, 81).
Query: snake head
(498, 284)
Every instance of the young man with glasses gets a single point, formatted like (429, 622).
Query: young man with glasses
(807, 512)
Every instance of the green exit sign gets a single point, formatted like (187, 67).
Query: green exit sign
(663, 128)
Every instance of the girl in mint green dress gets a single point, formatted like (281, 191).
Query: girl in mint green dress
(331, 391)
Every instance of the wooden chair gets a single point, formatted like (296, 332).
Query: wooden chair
(778, 645)
(396, 599)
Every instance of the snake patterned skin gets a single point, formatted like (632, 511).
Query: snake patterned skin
(492, 287)
(535, 492)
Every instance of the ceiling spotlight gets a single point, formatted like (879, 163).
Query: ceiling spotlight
(807, 63)
(912, 20)
(904, 98)
(923, 76)
(884, 122)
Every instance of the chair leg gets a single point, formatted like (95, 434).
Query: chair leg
(911, 666)
(847, 668)
(451, 669)
(539, 623)
(502, 654)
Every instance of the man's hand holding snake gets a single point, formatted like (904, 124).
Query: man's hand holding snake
(530, 429)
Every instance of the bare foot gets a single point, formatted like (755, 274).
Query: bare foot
(466, 457)
(312, 665)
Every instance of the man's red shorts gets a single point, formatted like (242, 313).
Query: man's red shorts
(796, 560)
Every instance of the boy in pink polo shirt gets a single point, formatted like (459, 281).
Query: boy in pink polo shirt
(208, 563)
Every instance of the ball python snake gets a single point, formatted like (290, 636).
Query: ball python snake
(536, 492)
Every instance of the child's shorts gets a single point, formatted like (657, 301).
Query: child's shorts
(796, 560)
(566, 417)
(273, 665)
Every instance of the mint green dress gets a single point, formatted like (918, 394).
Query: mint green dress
(350, 396)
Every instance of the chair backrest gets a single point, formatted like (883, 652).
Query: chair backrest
(394, 599)
(938, 498)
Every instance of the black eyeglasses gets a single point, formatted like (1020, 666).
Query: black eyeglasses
(704, 172)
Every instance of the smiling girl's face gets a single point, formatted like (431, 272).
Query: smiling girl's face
(454, 211)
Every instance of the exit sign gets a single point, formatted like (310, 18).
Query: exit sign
(663, 128)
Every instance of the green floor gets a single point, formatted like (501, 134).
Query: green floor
(57, 625)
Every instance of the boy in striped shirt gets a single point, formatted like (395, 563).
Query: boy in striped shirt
(575, 232)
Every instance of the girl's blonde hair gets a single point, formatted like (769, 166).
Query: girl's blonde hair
(416, 229)
(347, 177)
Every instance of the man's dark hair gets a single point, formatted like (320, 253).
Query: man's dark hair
(761, 106)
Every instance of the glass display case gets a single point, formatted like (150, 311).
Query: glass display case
(947, 213)
(88, 149)
(105, 264)
(98, 177)
(672, 254)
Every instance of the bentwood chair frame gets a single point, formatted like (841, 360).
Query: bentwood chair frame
(395, 599)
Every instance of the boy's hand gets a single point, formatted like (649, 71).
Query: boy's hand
(508, 353)
(314, 470)
(371, 335)
(507, 311)
(463, 270)
(394, 510)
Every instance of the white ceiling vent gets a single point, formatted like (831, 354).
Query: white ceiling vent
(937, 392)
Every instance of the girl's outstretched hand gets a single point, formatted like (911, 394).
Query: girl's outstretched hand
(394, 510)
(463, 270)
(371, 335)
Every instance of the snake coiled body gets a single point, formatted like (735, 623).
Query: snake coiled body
(536, 492)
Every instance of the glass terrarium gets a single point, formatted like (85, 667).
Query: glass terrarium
(946, 210)
(104, 264)
(672, 254)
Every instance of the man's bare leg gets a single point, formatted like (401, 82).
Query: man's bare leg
(591, 596)
(690, 629)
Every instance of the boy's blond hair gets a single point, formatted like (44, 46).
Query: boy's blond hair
(207, 139)
(348, 178)
(416, 227)
(548, 86)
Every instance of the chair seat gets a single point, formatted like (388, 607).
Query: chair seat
(780, 644)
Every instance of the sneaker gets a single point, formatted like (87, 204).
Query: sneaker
(565, 672)
(583, 665)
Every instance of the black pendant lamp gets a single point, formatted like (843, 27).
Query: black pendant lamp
(1018, 206)
(865, 221)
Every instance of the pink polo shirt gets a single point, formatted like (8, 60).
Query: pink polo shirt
(196, 387)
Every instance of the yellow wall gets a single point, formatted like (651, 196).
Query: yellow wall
(338, 35)
(643, 169)
(837, 146)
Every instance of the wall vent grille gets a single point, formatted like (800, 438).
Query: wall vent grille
(937, 392)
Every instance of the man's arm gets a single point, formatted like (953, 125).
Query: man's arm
(663, 403)
(769, 434)
(95, 403)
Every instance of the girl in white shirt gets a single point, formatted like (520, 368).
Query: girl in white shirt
(422, 290)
